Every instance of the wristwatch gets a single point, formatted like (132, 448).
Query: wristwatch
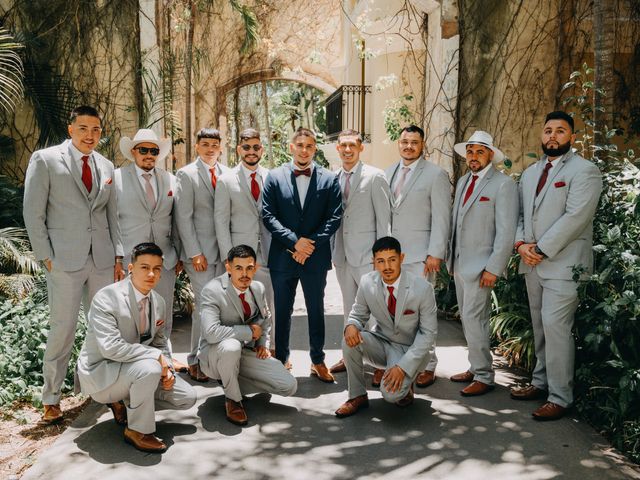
(539, 252)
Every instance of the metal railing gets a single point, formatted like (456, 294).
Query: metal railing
(347, 108)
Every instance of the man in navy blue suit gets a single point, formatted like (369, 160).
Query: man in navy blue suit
(302, 208)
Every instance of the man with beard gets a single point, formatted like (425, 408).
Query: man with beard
(558, 199)
(195, 195)
(420, 217)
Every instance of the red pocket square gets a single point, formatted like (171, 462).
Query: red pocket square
(159, 323)
(559, 184)
(170, 193)
(108, 181)
(484, 199)
(408, 312)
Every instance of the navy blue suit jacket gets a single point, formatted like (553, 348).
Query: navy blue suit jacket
(287, 220)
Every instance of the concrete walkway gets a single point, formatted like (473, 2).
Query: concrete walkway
(441, 436)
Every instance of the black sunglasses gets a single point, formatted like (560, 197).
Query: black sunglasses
(246, 147)
(152, 150)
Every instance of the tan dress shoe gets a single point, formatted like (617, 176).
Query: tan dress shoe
(426, 378)
(52, 414)
(407, 400)
(528, 393)
(463, 377)
(321, 371)
(196, 374)
(178, 366)
(352, 406)
(549, 411)
(145, 442)
(119, 412)
(235, 412)
(476, 388)
(377, 377)
(338, 367)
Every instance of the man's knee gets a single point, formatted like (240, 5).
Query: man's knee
(287, 386)
(230, 348)
(187, 397)
(393, 397)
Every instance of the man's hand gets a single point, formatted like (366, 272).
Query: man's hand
(431, 265)
(199, 263)
(166, 377)
(118, 271)
(352, 336)
(393, 379)
(256, 331)
(528, 254)
(262, 352)
(179, 267)
(304, 245)
(299, 257)
(48, 264)
(488, 279)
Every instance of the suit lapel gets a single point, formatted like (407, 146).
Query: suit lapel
(381, 287)
(355, 181)
(130, 299)
(160, 183)
(313, 187)
(552, 175)
(293, 185)
(477, 189)
(244, 187)
(205, 175)
(130, 171)
(406, 188)
(401, 296)
(458, 198)
(73, 169)
(233, 296)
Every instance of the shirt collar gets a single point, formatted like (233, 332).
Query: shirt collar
(77, 154)
(353, 170)
(141, 172)
(248, 173)
(295, 167)
(207, 166)
(412, 166)
(139, 295)
(238, 292)
(555, 162)
(481, 174)
(395, 284)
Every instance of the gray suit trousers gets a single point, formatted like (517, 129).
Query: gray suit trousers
(138, 384)
(552, 305)
(349, 280)
(242, 373)
(66, 290)
(264, 277)
(474, 303)
(379, 353)
(198, 281)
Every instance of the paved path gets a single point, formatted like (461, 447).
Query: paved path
(441, 436)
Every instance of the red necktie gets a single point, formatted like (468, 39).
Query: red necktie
(255, 188)
(86, 173)
(470, 189)
(246, 308)
(306, 172)
(543, 178)
(214, 180)
(391, 302)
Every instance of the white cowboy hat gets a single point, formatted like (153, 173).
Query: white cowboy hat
(145, 135)
(479, 138)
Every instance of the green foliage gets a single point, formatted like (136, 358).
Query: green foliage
(183, 299)
(11, 89)
(397, 114)
(11, 199)
(250, 22)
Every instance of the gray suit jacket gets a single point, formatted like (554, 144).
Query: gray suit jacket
(195, 212)
(560, 219)
(421, 216)
(366, 217)
(221, 316)
(113, 335)
(63, 221)
(484, 228)
(136, 220)
(415, 324)
(238, 217)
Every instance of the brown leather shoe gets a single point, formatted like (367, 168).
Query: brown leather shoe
(426, 378)
(320, 370)
(235, 412)
(462, 377)
(179, 366)
(196, 374)
(352, 406)
(377, 377)
(528, 393)
(119, 412)
(476, 388)
(549, 411)
(52, 414)
(145, 442)
(407, 400)
(338, 367)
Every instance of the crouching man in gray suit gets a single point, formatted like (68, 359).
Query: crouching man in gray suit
(125, 361)
(235, 323)
(558, 198)
(404, 307)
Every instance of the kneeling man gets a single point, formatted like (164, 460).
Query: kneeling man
(235, 324)
(125, 360)
(404, 307)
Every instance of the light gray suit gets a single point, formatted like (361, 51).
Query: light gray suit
(225, 351)
(139, 223)
(114, 365)
(78, 232)
(366, 217)
(483, 233)
(404, 341)
(421, 218)
(560, 221)
(194, 214)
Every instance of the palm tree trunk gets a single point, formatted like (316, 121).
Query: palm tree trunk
(604, 39)
(188, 64)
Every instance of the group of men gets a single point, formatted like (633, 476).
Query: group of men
(247, 236)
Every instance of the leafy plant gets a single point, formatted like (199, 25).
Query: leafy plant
(397, 114)
(11, 72)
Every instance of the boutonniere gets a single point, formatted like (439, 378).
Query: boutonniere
(108, 181)
(170, 194)
(559, 184)
(484, 199)
(408, 312)
(159, 322)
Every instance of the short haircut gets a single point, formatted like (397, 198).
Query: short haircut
(208, 133)
(303, 132)
(146, 248)
(386, 243)
(560, 115)
(249, 133)
(413, 129)
(350, 132)
(83, 110)
(241, 251)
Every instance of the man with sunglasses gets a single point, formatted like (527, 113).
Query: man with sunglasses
(195, 199)
(238, 209)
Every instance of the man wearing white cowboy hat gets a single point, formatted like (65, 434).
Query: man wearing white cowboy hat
(484, 221)
(144, 195)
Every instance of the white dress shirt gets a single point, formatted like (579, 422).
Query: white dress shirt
(412, 166)
(302, 182)
(153, 180)
(77, 155)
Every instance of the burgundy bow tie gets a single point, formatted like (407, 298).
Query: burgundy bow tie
(306, 172)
